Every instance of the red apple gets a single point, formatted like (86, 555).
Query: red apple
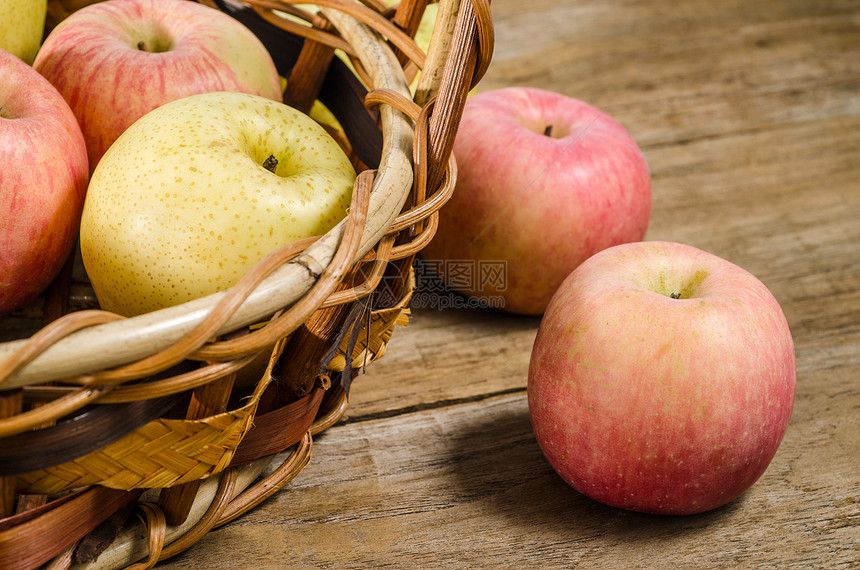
(545, 181)
(43, 179)
(115, 61)
(662, 379)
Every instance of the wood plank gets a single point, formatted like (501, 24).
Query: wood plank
(468, 486)
(674, 72)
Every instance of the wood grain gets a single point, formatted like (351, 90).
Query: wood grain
(468, 487)
(749, 116)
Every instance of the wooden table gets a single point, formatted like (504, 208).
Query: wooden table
(749, 115)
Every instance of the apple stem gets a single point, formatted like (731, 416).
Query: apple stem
(270, 163)
(548, 131)
(141, 45)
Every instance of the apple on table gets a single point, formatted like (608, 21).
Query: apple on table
(545, 181)
(662, 379)
(114, 61)
(22, 24)
(43, 179)
(197, 191)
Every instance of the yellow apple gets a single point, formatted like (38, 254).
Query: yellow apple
(21, 27)
(188, 199)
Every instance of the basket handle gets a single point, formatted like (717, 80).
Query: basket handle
(469, 58)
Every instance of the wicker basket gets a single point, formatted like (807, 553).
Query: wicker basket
(124, 441)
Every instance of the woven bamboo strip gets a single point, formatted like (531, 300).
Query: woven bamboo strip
(223, 495)
(437, 53)
(473, 38)
(360, 15)
(132, 543)
(381, 258)
(371, 344)
(211, 398)
(289, 468)
(163, 453)
(10, 405)
(61, 524)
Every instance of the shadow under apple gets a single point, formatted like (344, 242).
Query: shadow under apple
(500, 465)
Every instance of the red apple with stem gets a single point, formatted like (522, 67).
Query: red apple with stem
(43, 180)
(662, 379)
(115, 61)
(545, 181)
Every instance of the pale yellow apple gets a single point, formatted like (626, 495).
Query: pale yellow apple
(182, 204)
(22, 23)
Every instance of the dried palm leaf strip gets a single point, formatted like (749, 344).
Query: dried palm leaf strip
(132, 544)
(35, 536)
(92, 430)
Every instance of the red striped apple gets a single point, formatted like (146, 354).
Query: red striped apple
(545, 181)
(197, 191)
(115, 61)
(43, 179)
(662, 379)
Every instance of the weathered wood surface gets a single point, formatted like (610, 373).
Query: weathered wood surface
(749, 116)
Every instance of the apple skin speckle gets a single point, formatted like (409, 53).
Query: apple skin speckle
(182, 204)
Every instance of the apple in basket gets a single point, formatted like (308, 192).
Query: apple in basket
(197, 191)
(43, 178)
(21, 27)
(116, 60)
(662, 379)
(545, 181)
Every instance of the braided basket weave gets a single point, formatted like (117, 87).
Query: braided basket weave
(124, 441)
